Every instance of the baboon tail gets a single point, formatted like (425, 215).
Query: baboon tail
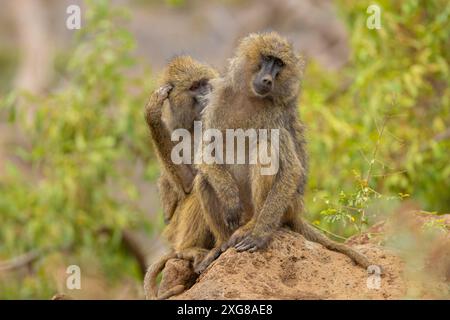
(150, 285)
(314, 235)
(178, 289)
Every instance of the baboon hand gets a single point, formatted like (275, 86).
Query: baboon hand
(237, 237)
(252, 243)
(163, 92)
(232, 217)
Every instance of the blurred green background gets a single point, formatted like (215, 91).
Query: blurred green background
(77, 171)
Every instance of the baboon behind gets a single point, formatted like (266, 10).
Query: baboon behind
(185, 84)
(242, 206)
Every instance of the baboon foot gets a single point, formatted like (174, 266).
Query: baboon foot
(177, 277)
(210, 257)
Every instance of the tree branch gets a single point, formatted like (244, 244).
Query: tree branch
(24, 260)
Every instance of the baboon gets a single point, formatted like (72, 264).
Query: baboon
(190, 239)
(242, 206)
(185, 84)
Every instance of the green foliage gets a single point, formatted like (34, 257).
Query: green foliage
(397, 80)
(79, 143)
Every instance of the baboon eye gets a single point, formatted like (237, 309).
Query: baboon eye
(279, 63)
(195, 86)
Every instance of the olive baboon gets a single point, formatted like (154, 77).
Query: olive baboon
(185, 84)
(259, 91)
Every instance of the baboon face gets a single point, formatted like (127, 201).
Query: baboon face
(266, 66)
(191, 85)
(269, 68)
(199, 91)
(188, 100)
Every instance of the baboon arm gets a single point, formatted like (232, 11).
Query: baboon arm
(223, 183)
(301, 153)
(181, 174)
(283, 190)
(169, 197)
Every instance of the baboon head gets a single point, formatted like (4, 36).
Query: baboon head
(190, 86)
(266, 66)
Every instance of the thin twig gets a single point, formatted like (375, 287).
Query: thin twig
(389, 173)
(351, 208)
(375, 151)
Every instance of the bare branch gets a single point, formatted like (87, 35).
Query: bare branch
(24, 260)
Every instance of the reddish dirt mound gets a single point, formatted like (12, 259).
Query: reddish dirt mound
(294, 268)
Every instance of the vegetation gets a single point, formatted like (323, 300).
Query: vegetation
(376, 127)
(82, 143)
(376, 133)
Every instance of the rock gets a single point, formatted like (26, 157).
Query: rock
(295, 268)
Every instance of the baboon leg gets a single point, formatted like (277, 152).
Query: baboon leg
(260, 187)
(195, 255)
(212, 255)
(271, 197)
(314, 235)
(150, 285)
(212, 209)
(172, 292)
(188, 232)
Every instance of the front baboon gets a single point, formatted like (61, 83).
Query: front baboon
(185, 84)
(260, 91)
